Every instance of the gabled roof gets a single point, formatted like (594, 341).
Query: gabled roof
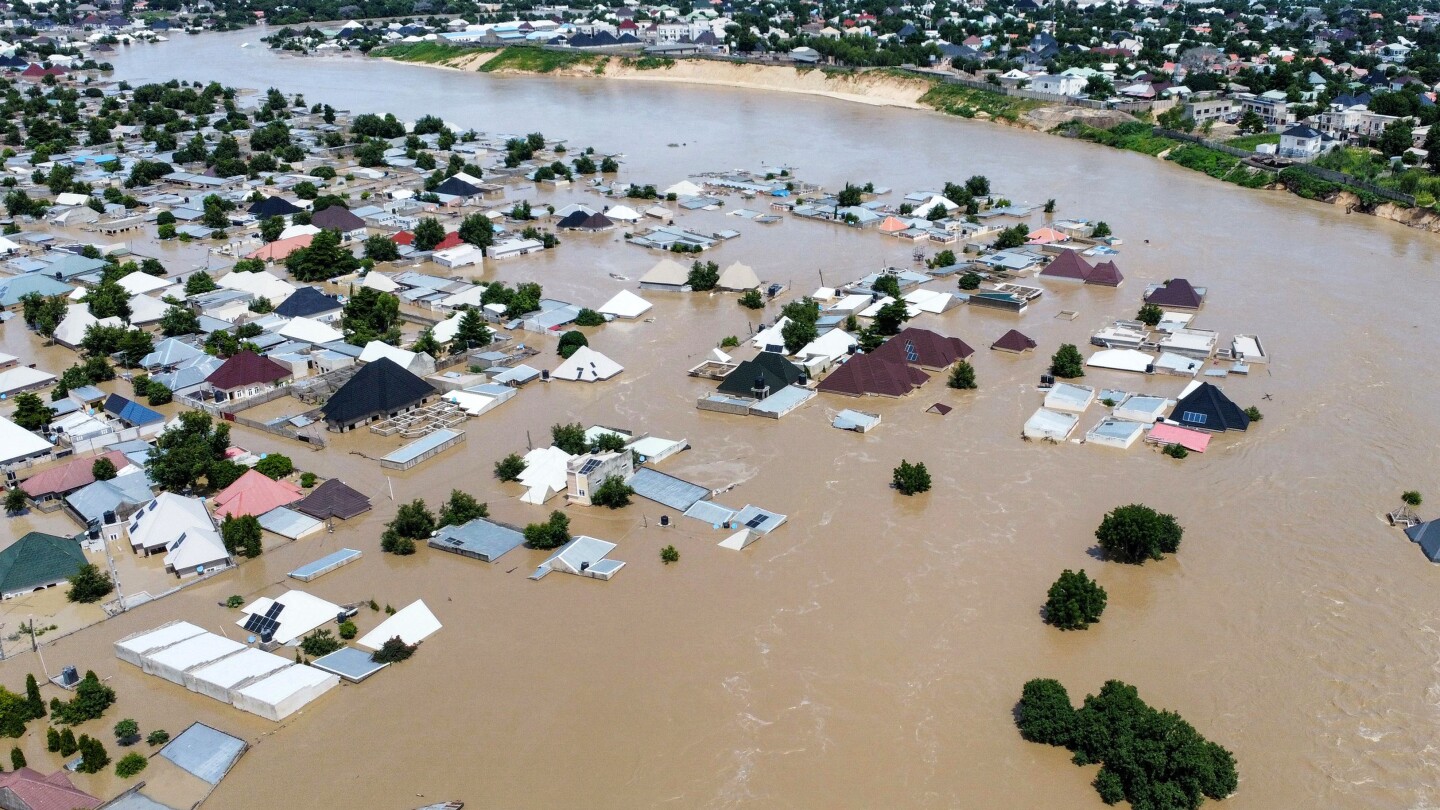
(381, 386)
(870, 374)
(305, 302)
(337, 218)
(1207, 408)
(254, 493)
(1013, 341)
(53, 792)
(247, 368)
(772, 368)
(587, 365)
(38, 559)
(922, 347)
(70, 476)
(333, 498)
(1177, 292)
(130, 412)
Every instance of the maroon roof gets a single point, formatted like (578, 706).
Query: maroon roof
(41, 792)
(337, 218)
(246, 368)
(928, 349)
(1177, 292)
(872, 374)
(1068, 265)
(1105, 274)
(1013, 341)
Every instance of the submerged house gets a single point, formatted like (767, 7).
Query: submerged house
(1177, 293)
(869, 374)
(38, 561)
(583, 556)
(767, 373)
(923, 348)
(1069, 265)
(1207, 408)
(245, 375)
(378, 390)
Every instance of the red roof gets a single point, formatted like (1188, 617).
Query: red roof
(41, 792)
(1068, 265)
(254, 493)
(871, 374)
(246, 368)
(69, 476)
(1106, 274)
(928, 349)
(403, 238)
(407, 238)
(1013, 341)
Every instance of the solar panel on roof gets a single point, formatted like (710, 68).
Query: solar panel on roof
(252, 624)
(274, 611)
(755, 522)
(910, 353)
(590, 466)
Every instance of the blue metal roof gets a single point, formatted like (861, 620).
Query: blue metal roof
(205, 752)
(130, 411)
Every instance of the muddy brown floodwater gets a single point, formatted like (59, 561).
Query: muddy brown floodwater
(869, 653)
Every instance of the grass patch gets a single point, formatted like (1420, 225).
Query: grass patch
(1218, 165)
(1135, 137)
(648, 63)
(429, 53)
(1249, 142)
(967, 102)
(536, 60)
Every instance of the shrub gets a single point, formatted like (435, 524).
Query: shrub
(669, 555)
(52, 740)
(970, 281)
(319, 643)
(127, 731)
(131, 764)
(393, 651)
(589, 317)
(68, 745)
(307, 480)
(348, 630)
(752, 299)
(962, 377)
(1176, 451)
(729, 342)
(1254, 413)
(461, 508)
(158, 737)
(93, 755)
(275, 465)
(553, 533)
(911, 479)
(1045, 714)
(510, 467)
(1411, 497)
(1136, 533)
(1149, 314)
(1075, 601)
(570, 342)
(17, 758)
(89, 584)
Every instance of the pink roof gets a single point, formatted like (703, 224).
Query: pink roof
(69, 476)
(278, 250)
(40, 792)
(254, 493)
(1174, 434)
(1045, 236)
(893, 224)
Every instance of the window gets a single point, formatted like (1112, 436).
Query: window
(1193, 416)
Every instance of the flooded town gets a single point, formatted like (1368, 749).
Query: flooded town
(395, 435)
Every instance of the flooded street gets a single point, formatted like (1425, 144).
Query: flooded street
(869, 652)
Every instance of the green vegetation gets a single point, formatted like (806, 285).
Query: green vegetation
(1249, 142)
(127, 732)
(430, 53)
(703, 276)
(510, 467)
(1067, 362)
(1150, 314)
(91, 700)
(15, 501)
(669, 554)
(1074, 602)
(242, 535)
(553, 533)
(1219, 165)
(589, 317)
(89, 584)
(1254, 413)
(523, 59)
(393, 651)
(413, 521)
(570, 342)
(1176, 451)
(970, 281)
(348, 630)
(158, 737)
(320, 643)
(911, 479)
(1152, 759)
(968, 102)
(613, 493)
(1134, 136)
(307, 480)
(962, 377)
(1136, 533)
(131, 764)
(93, 757)
(1411, 497)
(461, 508)
(648, 63)
(275, 466)
(235, 600)
(752, 299)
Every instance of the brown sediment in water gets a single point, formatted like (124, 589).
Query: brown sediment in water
(869, 652)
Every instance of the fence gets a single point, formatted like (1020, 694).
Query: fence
(1316, 171)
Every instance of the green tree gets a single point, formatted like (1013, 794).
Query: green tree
(553, 533)
(179, 320)
(134, 345)
(381, 248)
(850, 195)
(887, 284)
(32, 697)
(68, 745)
(429, 233)
(200, 283)
(371, 315)
(589, 317)
(1074, 601)
(510, 467)
(891, 317)
(476, 229)
(103, 469)
(461, 508)
(797, 334)
(271, 228)
(93, 755)
(911, 479)
(348, 630)
(31, 412)
(752, 299)
(1397, 138)
(669, 554)
(52, 740)
(978, 185)
(426, 343)
(570, 342)
(15, 502)
(471, 332)
(127, 732)
(1012, 237)
(612, 493)
(131, 764)
(109, 300)
(393, 651)
(91, 700)
(413, 521)
(89, 584)
(703, 276)
(17, 758)
(185, 453)
(320, 643)
(1251, 121)
(1150, 315)
(158, 394)
(1101, 230)
(970, 281)
(324, 258)
(1411, 497)
(1045, 714)
(158, 737)
(275, 465)
(1067, 362)
(242, 535)
(962, 377)
(1136, 533)
(569, 437)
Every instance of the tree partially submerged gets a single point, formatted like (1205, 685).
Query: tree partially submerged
(911, 479)
(1136, 533)
(1075, 601)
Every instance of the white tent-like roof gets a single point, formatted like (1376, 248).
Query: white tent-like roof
(684, 188)
(374, 350)
(446, 329)
(834, 345)
(77, 319)
(286, 692)
(1121, 360)
(298, 230)
(309, 330)
(413, 624)
(261, 285)
(379, 281)
(738, 277)
(145, 309)
(771, 336)
(667, 271)
(133, 648)
(218, 679)
(623, 213)
(174, 661)
(625, 304)
(141, 283)
(544, 474)
(587, 365)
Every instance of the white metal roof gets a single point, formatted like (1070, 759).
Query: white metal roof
(413, 624)
(625, 304)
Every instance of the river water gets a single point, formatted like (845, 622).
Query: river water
(869, 653)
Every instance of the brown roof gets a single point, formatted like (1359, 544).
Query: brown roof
(337, 218)
(921, 347)
(1177, 292)
(246, 368)
(70, 476)
(1013, 341)
(40, 792)
(333, 499)
(1105, 274)
(1067, 265)
(872, 374)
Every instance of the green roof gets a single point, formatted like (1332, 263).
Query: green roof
(38, 559)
